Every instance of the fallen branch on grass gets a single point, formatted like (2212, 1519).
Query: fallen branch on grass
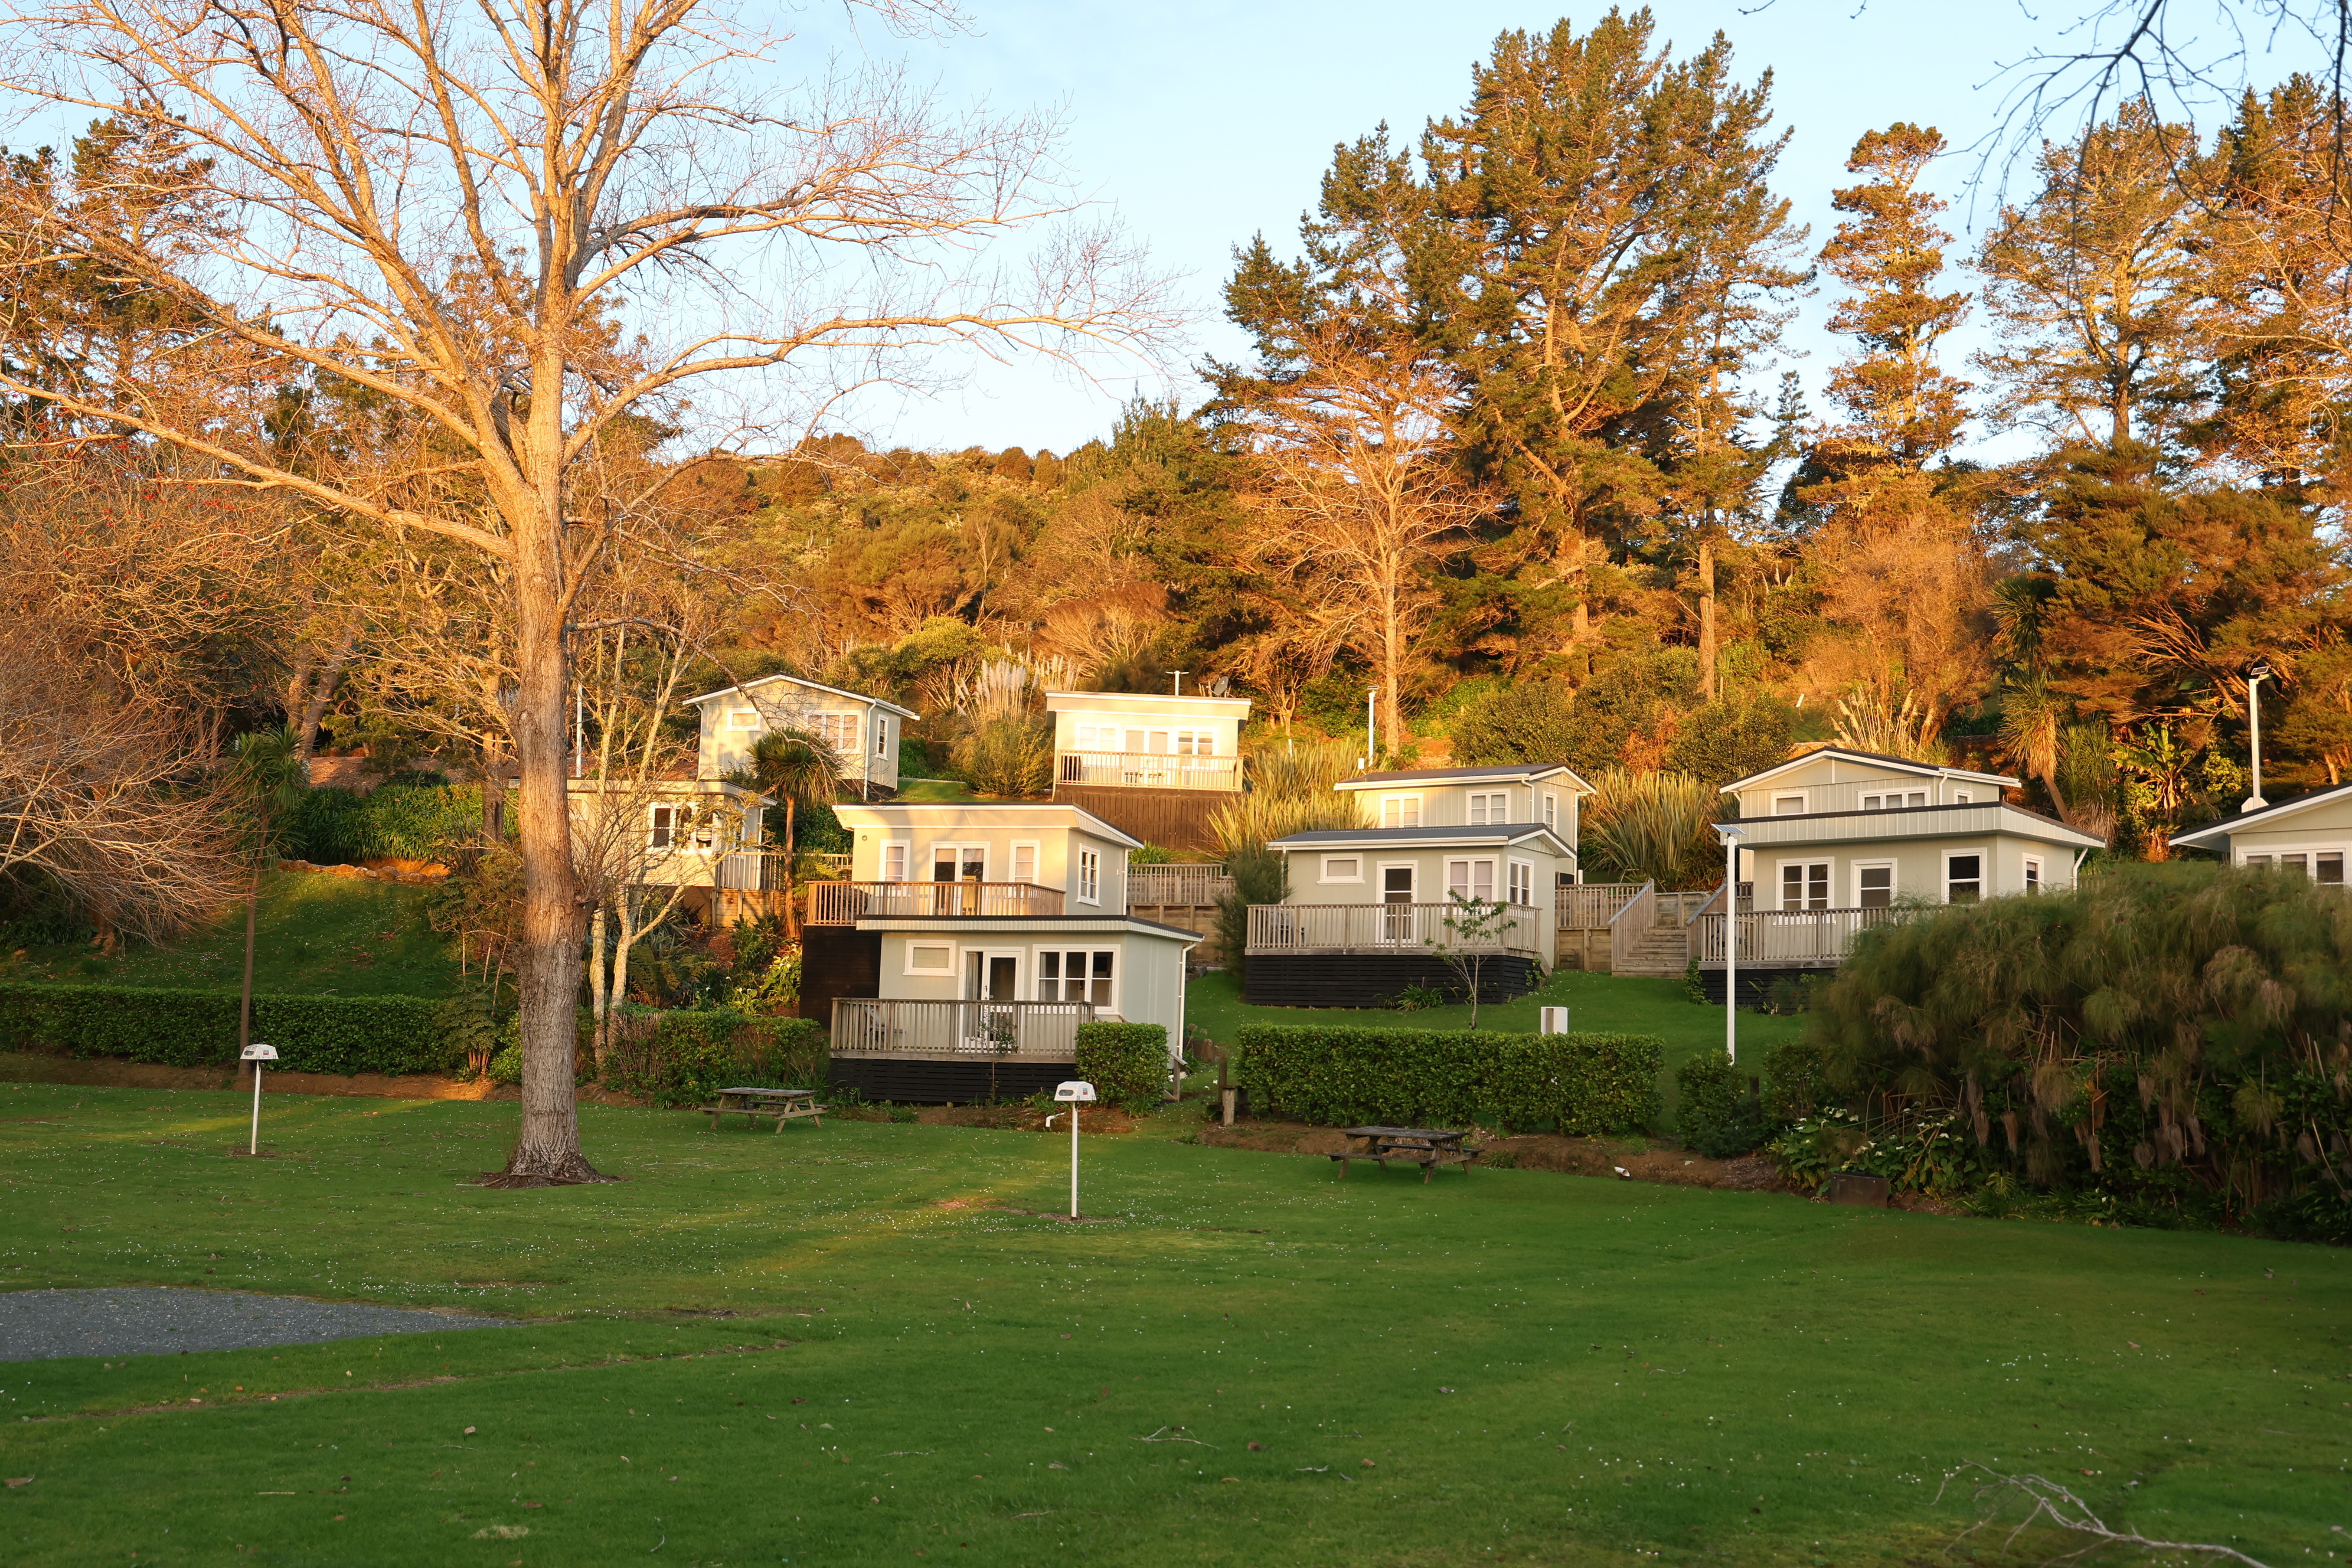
(2052, 1504)
(1156, 1437)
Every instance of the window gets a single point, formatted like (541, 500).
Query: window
(1090, 876)
(958, 863)
(2258, 860)
(1196, 742)
(1401, 811)
(1960, 797)
(1490, 810)
(925, 959)
(1895, 800)
(1552, 811)
(1397, 885)
(1077, 975)
(838, 730)
(743, 719)
(1805, 885)
(1963, 879)
(1343, 869)
(1873, 886)
(1523, 883)
(894, 862)
(881, 736)
(1470, 880)
(1024, 862)
(670, 823)
(2033, 873)
(2328, 866)
(1787, 805)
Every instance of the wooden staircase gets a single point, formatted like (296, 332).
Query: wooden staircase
(1660, 949)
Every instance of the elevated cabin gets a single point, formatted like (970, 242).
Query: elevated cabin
(704, 834)
(2311, 836)
(1837, 840)
(1448, 860)
(969, 942)
(864, 731)
(1154, 766)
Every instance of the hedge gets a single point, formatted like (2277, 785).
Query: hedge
(1584, 1083)
(1127, 1063)
(198, 1028)
(1714, 1113)
(685, 1057)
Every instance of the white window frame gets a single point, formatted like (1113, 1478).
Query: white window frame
(959, 847)
(1013, 865)
(1385, 866)
(948, 970)
(1893, 887)
(1356, 860)
(1481, 807)
(1963, 797)
(881, 735)
(1521, 883)
(1089, 876)
(963, 967)
(1401, 801)
(663, 830)
(1552, 811)
(905, 849)
(2272, 855)
(745, 718)
(1446, 868)
(1061, 950)
(1799, 797)
(1781, 883)
(2034, 874)
(1983, 876)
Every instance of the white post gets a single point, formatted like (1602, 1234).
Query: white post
(254, 1147)
(2255, 801)
(1073, 1093)
(1371, 728)
(1731, 836)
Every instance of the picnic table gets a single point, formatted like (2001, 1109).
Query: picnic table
(1428, 1147)
(781, 1104)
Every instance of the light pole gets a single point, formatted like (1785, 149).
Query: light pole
(1732, 834)
(1073, 1093)
(257, 1054)
(2255, 677)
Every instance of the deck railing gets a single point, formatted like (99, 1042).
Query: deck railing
(1630, 924)
(1388, 928)
(1590, 906)
(1149, 769)
(847, 903)
(1010, 1031)
(1196, 883)
(1786, 937)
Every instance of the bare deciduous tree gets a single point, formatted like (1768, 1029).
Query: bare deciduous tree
(454, 210)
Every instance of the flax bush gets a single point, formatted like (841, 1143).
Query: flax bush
(2178, 1037)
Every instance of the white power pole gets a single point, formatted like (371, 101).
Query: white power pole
(1732, 835)
(2254, 679)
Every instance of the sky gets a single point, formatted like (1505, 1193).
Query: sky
(1204, 123)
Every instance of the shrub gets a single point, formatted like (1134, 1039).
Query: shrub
(684, 1056)
(1793, 1087)
(1716, 1116)
(1127, 1063)
(1579, 1083)
(198, 1028)
(398, 822)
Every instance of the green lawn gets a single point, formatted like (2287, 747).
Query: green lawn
(316, 935)
(1538, 1368)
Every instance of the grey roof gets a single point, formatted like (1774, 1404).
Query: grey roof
(813, 684)
(2229, 825)
(1461, 775)
(1907, 765)
(1508, 832)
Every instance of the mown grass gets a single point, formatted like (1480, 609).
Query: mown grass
(1540, 1368)
(314, 935)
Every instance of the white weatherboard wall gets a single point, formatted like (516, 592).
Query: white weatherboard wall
(866, 731)
(1134, 722)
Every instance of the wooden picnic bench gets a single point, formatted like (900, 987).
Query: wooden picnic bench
(1428, 1147)
(781, 1104)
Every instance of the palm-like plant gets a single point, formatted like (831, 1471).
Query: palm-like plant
(1652, 826)
(793, 768)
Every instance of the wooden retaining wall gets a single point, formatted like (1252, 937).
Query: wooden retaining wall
(1170, 818)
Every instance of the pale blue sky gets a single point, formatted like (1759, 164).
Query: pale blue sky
(1205, 122)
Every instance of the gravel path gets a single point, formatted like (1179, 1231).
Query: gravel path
(37, 1324)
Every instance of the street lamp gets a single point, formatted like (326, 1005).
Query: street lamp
(1073, 1093)
(1732, 834)
(2255, 677)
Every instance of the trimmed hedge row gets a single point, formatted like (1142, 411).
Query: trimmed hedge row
(1127, 1063)
(198, 1028)
(685, 1057)
(1335, 1076)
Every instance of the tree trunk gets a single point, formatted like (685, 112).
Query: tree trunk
(1707, 621)
(547, 969)
(494, 800)
(321, 691)
(792, 911)
(598, 1000)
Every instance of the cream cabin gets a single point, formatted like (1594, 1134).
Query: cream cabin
(2311, 835)
(1447, 860)
(864, 731)
(971, 940)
